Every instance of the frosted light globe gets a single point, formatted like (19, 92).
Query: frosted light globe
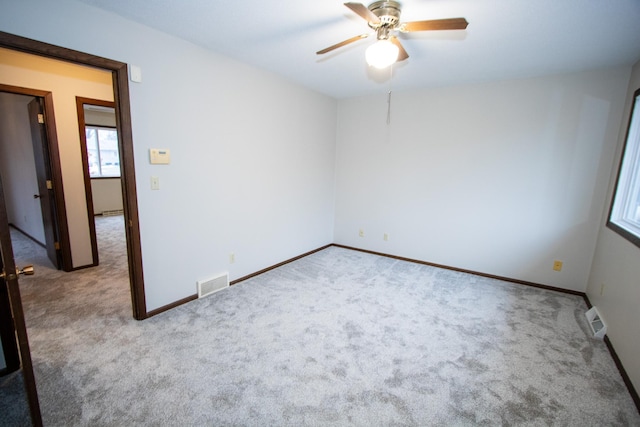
(381, 54)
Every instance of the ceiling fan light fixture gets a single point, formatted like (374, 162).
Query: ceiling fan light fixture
(381, 54)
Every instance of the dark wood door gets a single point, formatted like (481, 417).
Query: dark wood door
(45, 188)
(10, 349)
(9, 281)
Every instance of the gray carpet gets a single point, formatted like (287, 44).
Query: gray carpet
(336, 338)
(14, 408)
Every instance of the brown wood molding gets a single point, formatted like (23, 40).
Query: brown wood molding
(80, 103)
(123, 118)
(58, 187)
(614, 355)
(462, 270)
(623, 372)
(195, 296)
(23, 90)
(280, 264)
(128, 182)
(56, 169)
(172, 305)
(35, 47)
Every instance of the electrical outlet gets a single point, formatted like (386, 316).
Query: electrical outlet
(232, 258)
(386, 237)
(361, 233)
(601, 289)
(557, 265)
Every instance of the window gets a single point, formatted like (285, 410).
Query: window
(102, 151)
(625, 209)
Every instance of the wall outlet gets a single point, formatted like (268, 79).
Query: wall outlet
(557, 265)
(361, 233)
(386, 237)
(601, 289)
(232, 258)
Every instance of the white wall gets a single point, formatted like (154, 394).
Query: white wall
(616, 266)
(106, 194)
(252, 155)
(500, 178)
(17, 166)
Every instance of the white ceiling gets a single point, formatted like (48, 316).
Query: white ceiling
(504, 39)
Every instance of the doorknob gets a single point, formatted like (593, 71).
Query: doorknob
(36, 196)
(27, 270)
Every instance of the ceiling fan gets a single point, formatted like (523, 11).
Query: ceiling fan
(384, 18)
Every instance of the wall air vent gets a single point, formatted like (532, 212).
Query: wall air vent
(213, 285)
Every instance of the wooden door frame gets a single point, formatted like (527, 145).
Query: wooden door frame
(125, 142)
(56, 171)
(80, 103)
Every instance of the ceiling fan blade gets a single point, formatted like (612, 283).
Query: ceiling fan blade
(435, 24)
(342, 43)
(402, 54)
(363, 11)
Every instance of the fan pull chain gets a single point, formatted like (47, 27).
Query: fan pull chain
(389, 95)
(389, 108)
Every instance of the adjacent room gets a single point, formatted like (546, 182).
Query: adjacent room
(417, 244)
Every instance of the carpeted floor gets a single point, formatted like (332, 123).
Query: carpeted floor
(336, 338)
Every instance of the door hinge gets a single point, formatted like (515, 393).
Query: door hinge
(56, 245)
(49, 185)
(41, 118)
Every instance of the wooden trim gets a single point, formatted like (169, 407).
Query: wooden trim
(129, 192)
(280, 264)
(623, 372)
(80, 103)
(172, 305)
(19, 90)
(10, 348)
(98, 178)
(85, 173)
(616, 359)
(62, 229)
(195, 296)
(27, 235)
(462, 270)
(125, 140)
(58, 188)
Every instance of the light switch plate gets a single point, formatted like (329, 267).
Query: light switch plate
(159, 156)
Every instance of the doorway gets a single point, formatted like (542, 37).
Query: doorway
(25, 165)
(101, 160)
(119, 74)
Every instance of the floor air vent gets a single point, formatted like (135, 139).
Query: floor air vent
(210, 286)
(598, 326)
(112, 212)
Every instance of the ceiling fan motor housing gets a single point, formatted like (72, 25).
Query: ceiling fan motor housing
(387, 11)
